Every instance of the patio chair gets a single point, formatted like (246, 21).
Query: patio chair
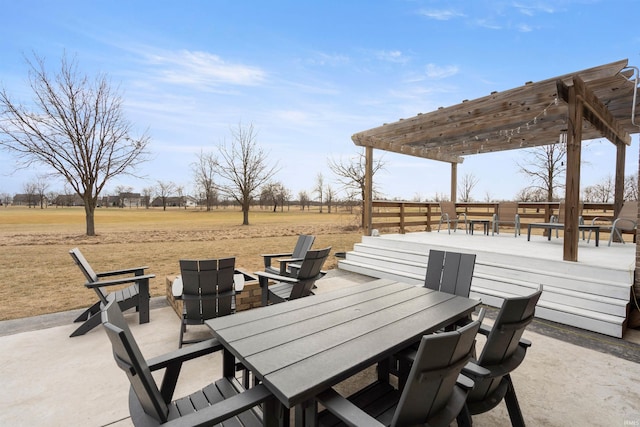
(559, 219)
(207, 292)
(507, 214)
(152, 406)
(433, 395)
(136, 295)
(625, 221)
(299, 284)
(503, 351)
(303, 244)
(450, 272)
(449, 215)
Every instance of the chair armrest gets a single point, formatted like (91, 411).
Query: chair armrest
(601, 218)
(345, 410)
(120, 281)
(124, 271)
(267, 257)
(465, 382)
(276, 277)
(225, 409)
(473, 370)
(184, 354)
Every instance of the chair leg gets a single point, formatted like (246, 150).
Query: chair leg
(464, 418)
(88, 325)
(183, 329)
(510, 399)
(95, 308)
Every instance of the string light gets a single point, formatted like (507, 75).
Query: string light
(509, 133)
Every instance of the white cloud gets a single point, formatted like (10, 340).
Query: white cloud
(395, 56)
(438, 72)
(194, 68)
(440, 15)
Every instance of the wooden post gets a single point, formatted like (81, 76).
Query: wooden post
(618, 195)
(454, 182)
(572, 188)
(368, 191)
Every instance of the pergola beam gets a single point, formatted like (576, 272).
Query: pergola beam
(595, 111)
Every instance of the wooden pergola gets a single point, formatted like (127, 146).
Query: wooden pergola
(593, 103)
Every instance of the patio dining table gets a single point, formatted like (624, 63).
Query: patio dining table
(302, 347)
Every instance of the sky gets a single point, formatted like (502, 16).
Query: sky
(307, 75)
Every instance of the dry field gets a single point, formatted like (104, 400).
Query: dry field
(38, 276)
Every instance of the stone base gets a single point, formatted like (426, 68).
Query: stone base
(250, 297)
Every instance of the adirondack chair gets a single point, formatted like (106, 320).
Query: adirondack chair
(152, 406)
(507, 214)
(303, 244)
(207, 292)
(503, 351)
(434, 393)
(625, 221)
(136, 295)
(449, 215)
(299, 284)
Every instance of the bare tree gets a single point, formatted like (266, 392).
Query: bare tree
(164, 190)
(469, 181)
(30, 190)
(204, 170)
(545, 166)
(42, 185)
(303, 198)
(319, 188)
(351, 174)
(631, 187)
(147, 192)
(76, 127)
(601, 192)
(245, 168)
(330, 194)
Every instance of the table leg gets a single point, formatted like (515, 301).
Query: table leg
(529, 233)
(597, 236)
(228, 364)
(471, 224)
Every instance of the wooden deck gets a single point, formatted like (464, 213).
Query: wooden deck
(592, 294)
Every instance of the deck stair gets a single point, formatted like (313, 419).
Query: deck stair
(590, 297)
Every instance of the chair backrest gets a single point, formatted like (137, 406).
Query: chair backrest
(207, 288)
(83, 264)
(433, 375)
(88, 272)
(310, 270)
(507, 211)
(503, 340)
(448, 209)
(562, 208)
(450, 272)
(129, 358)
(304, 243)
(628, 212)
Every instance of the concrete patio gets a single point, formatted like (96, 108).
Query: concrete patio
(570, 376)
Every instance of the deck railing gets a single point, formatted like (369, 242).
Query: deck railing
(421, 216)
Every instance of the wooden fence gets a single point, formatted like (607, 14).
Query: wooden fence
(425, 216)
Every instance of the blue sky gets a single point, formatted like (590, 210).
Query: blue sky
(309, 74)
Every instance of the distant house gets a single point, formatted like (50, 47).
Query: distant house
(26, 199)
(68, 200)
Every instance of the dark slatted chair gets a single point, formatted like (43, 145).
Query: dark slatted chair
(136, 295)
(434, 394)
(450, 272)
(149, 405)
(303, 244)
(207, 291)
(502, 353)
(299, 284)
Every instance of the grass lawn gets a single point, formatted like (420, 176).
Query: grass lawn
(39, 276)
